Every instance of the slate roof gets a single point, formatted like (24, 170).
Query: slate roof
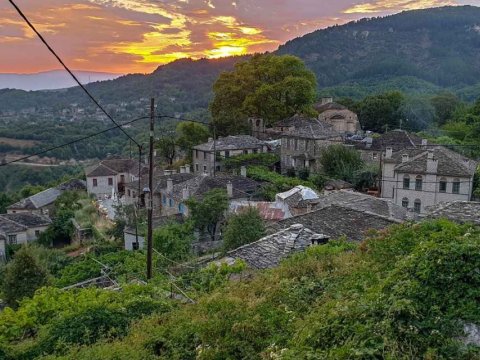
(10, 227)
(270, 250)
(363, 202)
(337, 221)
(27, 219)
(457, 211)
(37, 201)
(197, 186)
(267, 210)
(450, 163)
(110, 167)
(74, 184)
(232, 143)
(396, 139)
(329, 106)
(308, 128)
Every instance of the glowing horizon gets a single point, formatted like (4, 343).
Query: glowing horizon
(131, 36)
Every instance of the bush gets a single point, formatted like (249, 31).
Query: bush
(243, 228)
(341, 162)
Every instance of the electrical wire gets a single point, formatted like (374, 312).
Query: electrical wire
(69, 71)
(118, 126)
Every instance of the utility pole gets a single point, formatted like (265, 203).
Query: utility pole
(150, 192)
(214, 152)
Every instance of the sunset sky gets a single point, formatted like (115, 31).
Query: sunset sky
(124, 36)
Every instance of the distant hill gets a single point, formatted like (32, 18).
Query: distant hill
(48, 80)
(421, 51)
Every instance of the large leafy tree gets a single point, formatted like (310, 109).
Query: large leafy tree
(271, 87)
(445, 104)
(190, 134)
(381, 112)
(243, 228)
(167, 149)
(23, 276)
(209, 212)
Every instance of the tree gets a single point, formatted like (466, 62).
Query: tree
(380, 112)
(5, 201)
(268, 86)
(190, 134)
(243, 228)
(341, 162)
(167, 148)
(444, 105)
(23, 276)
(207, 213)
(174, 240)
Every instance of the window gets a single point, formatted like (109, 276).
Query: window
(405, 203)
(418, 183)
(170, 202)
(255, 151)
(164, 199)
(196, 154)
(196, 167)
(406, 182)
(12, 239)
(110, 181)
(443, 185)
(374, 156)
(204, 169)
(245, 152)
(95, 183)
(227, 154)
(296, 144)
(128, 192)
(122, 178)
(181, 208)
(456, 186)
(417, 206)
(204, 156)
(135, 245)
(37, 233)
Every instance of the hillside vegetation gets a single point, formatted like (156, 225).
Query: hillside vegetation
(405, 293)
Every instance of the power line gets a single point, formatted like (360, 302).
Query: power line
(118, 126)
(69, 71)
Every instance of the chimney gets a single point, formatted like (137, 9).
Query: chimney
(388, 153)
(185, 193)
(424, 143)
(187, 169)
(368, 142)
(169, 185)
(182, 169)
(327, 100)
(405, 158)
(243, 171)
(230, 189)
(432, 164)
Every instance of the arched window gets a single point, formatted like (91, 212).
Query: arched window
(456, 186)
(406, 182)
(405, 203)
(419, 183)
(417, 206)
(443, 185)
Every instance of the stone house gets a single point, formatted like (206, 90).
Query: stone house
(418, 178)
(173, 196)
(372, 148)
(111, 175)
(22, 228)
(3, 254)
(42, 203)
(462, 212)
(209, 156)
(343, 120)
(302, 141)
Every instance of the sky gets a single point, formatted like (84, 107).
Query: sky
(126, 36)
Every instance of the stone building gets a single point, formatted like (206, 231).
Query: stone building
(208, 157)
(342, 119)
(372, 148)
(22, 228)
(462, 212)
(419, 178)
(111, 175)
(43, 202)
(302, 141)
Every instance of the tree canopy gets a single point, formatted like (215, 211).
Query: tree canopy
(243, 228)
(268, 86)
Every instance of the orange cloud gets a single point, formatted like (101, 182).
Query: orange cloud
(386, 5)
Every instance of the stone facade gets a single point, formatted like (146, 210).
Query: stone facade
(208, 157)
(420, 178)
(302, 142)
(22, 228)
(342, 119)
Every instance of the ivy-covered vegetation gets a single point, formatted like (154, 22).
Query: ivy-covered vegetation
(408, 292)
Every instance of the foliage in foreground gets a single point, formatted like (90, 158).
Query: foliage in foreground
(405, 293)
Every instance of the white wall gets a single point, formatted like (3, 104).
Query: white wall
(129, 239)
(102, 187)
(31, 232)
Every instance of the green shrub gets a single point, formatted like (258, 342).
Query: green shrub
(243, 228)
